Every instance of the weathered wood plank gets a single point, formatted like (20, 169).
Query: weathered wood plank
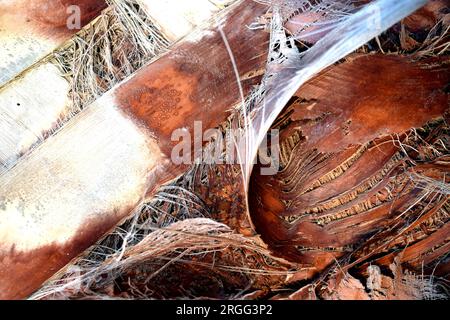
(37, 103)
(81, 182)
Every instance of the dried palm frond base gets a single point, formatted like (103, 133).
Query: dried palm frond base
(359, 209)
(365, 171)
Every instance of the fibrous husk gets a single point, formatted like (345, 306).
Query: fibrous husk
(364, 156)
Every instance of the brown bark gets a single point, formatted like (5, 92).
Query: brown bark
(348, 157)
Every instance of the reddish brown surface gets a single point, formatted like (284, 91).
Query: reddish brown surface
(46, 18)
(21, 274)
(196, 82)
(376, 94)
(376, 99)
(296, 26)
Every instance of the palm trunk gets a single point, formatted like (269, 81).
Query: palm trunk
(94, 205)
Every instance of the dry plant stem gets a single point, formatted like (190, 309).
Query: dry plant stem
(214, 268)
(122, 143)
(41, 101)
(126, 257)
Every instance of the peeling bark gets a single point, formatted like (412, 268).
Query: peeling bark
(349, 159)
